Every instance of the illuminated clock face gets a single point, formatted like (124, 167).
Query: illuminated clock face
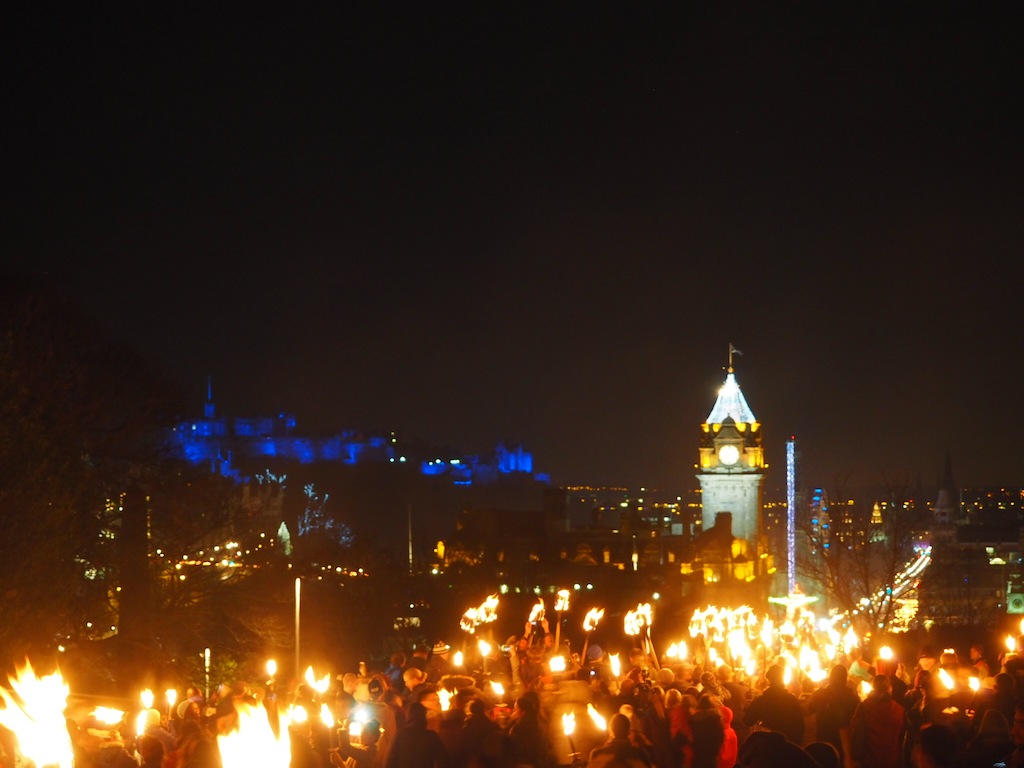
(728, 455)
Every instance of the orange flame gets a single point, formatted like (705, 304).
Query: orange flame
(36, 716)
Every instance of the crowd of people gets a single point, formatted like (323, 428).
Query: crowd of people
(421, 710)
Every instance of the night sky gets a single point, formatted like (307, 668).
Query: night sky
(546, 223)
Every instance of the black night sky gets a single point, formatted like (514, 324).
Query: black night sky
(546, 223)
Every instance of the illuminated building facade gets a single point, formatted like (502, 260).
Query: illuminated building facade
(731, 466)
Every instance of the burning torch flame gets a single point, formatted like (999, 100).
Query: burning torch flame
(325, 715)
(599, 721)
(590, 621)
(946, 679)
(445, 697)
(321, 685)
(484, 614)
(458, 659)
(254, 743)
(108, 715)
(498, 689)
(557, 664)
(537, 614)
(615, 664)
(635, 621)
(568, 723)
(37, 717)
(146, 697)
(562, 603)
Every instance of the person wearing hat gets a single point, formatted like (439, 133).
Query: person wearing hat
(438, 666)
(379, 710)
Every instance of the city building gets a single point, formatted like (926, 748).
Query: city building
(730, 471)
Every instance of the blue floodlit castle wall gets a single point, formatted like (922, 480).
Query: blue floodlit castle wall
(222, 442)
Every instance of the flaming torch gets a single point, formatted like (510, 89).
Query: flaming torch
(485, 613)
(615, 664)
(590, 621)
(255, 743)
(36, 717)
(499, 691)
(568, 727)
(638, 622)
(146, 699)
(536, 620)
(485, 650)
(561, 606)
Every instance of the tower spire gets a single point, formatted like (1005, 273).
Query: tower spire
(208, 410)
(732, 351)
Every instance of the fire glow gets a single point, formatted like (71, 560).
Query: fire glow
(254, 743)
(35, 713)
(485, 613)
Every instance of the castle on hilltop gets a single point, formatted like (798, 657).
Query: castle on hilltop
(236, 447)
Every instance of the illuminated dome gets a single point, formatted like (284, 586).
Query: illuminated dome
(731, 403)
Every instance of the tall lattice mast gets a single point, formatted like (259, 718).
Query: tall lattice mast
(791, 514)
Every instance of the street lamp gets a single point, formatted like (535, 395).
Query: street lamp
(298, 605)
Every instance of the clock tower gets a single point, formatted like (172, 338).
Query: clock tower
(731, 466)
